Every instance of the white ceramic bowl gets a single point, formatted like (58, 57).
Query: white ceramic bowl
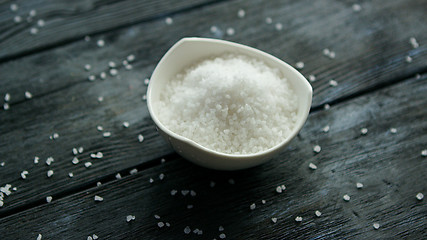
(188, 51)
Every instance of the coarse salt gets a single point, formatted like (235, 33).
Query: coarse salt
(420, 196)
(312, 166)
(98, 198)
(298, 219)
(376, 226)
(49, 199)
(318, 213)
(346, 198)
(359, 185)
(220, 98)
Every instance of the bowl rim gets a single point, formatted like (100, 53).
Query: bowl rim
(298, 124)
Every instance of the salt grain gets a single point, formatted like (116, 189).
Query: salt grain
(89, 238)
(213, 29)
(130, 218)
(161, 176)
(39, 237)
(252, 206)
(100, 99)
(133, 171)
(49, 173)
(106, 134)
(94, 236)
(346, 198)
(24, 174)
(359, 185)
(113, 72)
(87, 67)
(222, 236)
(193, 193)
(263, 201)
(326, 106)
(420, 196)
(168, 21)
(312, 166)
(317, 149)
(318, 213)
(7, 97)
(36, 160)
(268, 20)
(49, 161)
(274, 220)
(299, 65)
(278, 26)
(111, 64)
(187, 230)
(151, 180)
(173, 192)
(103, 75)
(6, 106)
(146, 81)
(333, 83)
(49, 199)
(118, 176)
(376, 226)
(34, 30)
(87, 38)
(41, 23)
(75, 152)
(140, 138)
(190, 206)
(28, 95)
(298, 219)
(128, 67)
(424, 153)
(160, 224)
(17, 19)
(32, 13)
(156, 216)
(185, 192)
(100, 43)
(230, 31)
(220, 228)
(88, 164)
(408, 59)
(325, 129)
(126, 124)
(99, 128)
(98, 184)
(311, 78)
(70, 174)
(98, 198)
(413, 42)
(14, 7)
(363, 131)
(130, 58)
(356, 7)
(2, 164)
(241, 13)
(393, 130)
(91, 78)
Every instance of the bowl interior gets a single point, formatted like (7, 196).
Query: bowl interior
(188, 51)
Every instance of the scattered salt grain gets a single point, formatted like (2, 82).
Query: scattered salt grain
(111, 64)
(133, 171)
(49, 173)
(81, 149)
(376, 226)
(32, 13)
(99, 128)
(87, 67)
(49, 199)
(424, 153)
(113, 72)
(144, 97)
(393, 130)
(298, 219)
(2, 164)
(75, 151)
(299, 65)
(6, 106)
(413, 42)
(318, 213)
(167, 224)
(333, 83)
(146, 81)
(98, 198)
(274, 220)
(359, 185)
(130, 58)
(118, 176)
(28, 95)
(252, 206)
(128, 67)
(49, 161)
(168, 20)
(281, 188)
(103, 75)
(263, 201)
(39, 237)
(98, 184)
(346, 198)
(100, 99)
(100, 43)
(160, 224)
(311, 78)
(312, 166)
(88, 164)
(325, 129)
(190, 206)
(241, 13)
(173, 192)
(7, 97)
(356, 7)
(420, 196)
(34, 30)
(222, 236)
(70, 174)
(91, 78)
(317, 149)
(161, 176)
(156, 216)
(220, 228)
(230, 31)
(14, 7)
(140, 138)
(326, 106)
(187, 230)
(14, 188)
(106, 134)
(363, 131)
(94, 236)
(87, 38)
(193, 193)
(41, 23)
(408, 59)
(36, 160)
(151, 180)
(130, 218)
(89, 238)
(278, 26)
(126, 124)
(17, 19)
(185, 192)
(24, 174)
(268, 20)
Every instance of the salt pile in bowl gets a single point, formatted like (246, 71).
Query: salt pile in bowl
(233, 104)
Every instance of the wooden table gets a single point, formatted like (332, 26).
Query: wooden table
(382, 84)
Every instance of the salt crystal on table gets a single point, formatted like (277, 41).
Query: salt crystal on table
(346, 198)
(298, 219)
(100, 43)
(363, 131)
(187, 230)
(168, 20)
(376, 226)
(49, 173)
(359, 185)
(241, 13)
(17, 19)
(413, 42)
(278, 26)
(268, 20)
(318, 213)
(252, 206)
(98, 198)
(28, 95)
(39, 237)
(130, 218)
(274, 220)
(49, 199)
(356, 7)
(317, 149)
(299, 65)
(6, 106)
(312, 166)
(230, 31)
(420, 196)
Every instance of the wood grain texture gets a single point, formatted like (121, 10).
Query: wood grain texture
(67, 21)
(389, 165)
(66, 102)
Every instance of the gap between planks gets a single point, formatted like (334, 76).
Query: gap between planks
(64, 42)
(155, 162)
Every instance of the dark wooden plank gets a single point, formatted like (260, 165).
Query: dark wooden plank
(65, 102)
(389, 165)
(67, 21)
